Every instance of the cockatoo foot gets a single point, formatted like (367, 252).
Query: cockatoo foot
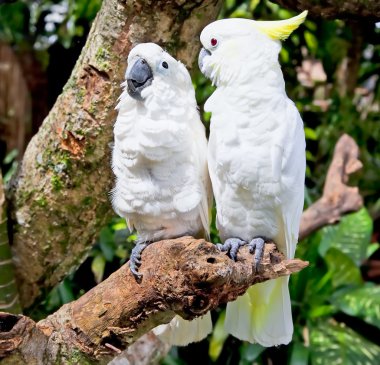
(231, 246)
(135, 259)
(257, 246)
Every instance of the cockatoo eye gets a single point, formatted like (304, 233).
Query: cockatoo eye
(214, 42)
(165, 65)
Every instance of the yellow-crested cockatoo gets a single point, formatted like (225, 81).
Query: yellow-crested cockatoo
(256, 159)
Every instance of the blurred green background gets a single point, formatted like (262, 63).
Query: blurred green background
(331, 70)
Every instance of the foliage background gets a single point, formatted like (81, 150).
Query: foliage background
(331, 70)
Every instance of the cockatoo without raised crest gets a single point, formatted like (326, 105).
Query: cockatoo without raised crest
(159, 160)
(256, 159)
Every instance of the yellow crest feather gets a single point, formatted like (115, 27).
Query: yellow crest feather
(280, 29)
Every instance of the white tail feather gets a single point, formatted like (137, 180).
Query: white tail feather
(180, 332)
(262, 315)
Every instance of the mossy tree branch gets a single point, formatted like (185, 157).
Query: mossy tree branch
(184, 276)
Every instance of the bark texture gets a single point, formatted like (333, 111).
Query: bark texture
(147, 350)
(333, 9)
(9, 299)
(338, 198)
(64, 179)
(15, 103)
(189, 277)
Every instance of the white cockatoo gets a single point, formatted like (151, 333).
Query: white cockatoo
(256, 159)
(160, 162)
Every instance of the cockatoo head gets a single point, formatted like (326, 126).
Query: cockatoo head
(235, 49)
(152, 70)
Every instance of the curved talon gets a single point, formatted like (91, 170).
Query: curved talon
(232, 246)
(135, 273)
(257, 246)
(135, 259)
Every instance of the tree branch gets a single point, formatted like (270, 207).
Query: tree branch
(368, 10)
(61, 192)
(188, 277)
(338, 198)
(147, 350)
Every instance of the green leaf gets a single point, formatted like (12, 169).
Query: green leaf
(249, 352)
(351, 236)
(53, 300)
(300, 354)
(66, 292)
(342, 269)
(321, 311)
(11, 156)
(253, 4)
(362, 302)
(119, 224)
(284, 55)
(219, 336)
(371, 249)
(310, 134)
(335, 344)
(121, 252)
(107, 243)
(97, 267)
(311, 41)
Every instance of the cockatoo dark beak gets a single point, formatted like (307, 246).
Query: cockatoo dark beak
(202, 54)
(139, 76)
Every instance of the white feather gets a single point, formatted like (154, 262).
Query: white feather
(180, 332)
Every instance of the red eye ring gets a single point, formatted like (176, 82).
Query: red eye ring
(214, 42)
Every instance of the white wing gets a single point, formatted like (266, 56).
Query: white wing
(293, 181)
(200, 151)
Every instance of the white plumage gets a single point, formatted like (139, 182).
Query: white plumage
(159, 160)
(256, 160)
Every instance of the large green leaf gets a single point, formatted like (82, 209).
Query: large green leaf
(351, 235)
(249, 352)
(300, 354)
(342, 269)
(98, 265)
(362, 302)
(219, 336)
(335, 344)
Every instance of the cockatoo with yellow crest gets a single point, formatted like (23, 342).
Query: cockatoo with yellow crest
(159, 160)
(256, 159)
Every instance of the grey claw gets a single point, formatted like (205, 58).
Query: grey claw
(134, 271)
(220, 247)
(232, 246)
(135, 259)
(257, 246)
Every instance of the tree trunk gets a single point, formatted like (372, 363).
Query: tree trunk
(60, 198)
(189, 277)
(9, 299)
(15, 103)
